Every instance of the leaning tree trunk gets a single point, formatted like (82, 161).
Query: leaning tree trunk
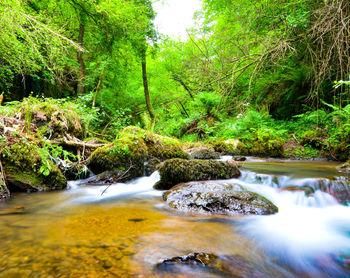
(145, 86)
(81, 74)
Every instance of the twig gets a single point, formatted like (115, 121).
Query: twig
(119, 178)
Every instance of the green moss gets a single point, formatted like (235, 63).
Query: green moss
(174, 171)
(162, 147)
(337, 146)
(263, 143)
(22, 162)
(127, 153)
(229, 146)
(133, 147)
(134, 131)
(50, 119)
(314, 138)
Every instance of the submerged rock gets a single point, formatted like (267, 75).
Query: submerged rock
(239, 158)
(204, 154)
(217, 197)
(198, 259)
(109, 177)
(345, 167)
(13, 210)
(175, 171)
(227, 265)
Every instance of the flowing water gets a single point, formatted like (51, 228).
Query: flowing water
(126, 230)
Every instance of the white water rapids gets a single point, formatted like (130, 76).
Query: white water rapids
(310, 233)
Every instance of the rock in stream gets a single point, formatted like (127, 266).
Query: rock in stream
(226, 266)
(175, 171)
(217, 197)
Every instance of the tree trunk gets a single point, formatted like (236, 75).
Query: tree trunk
(145, 87)
(81, 75)
(178, 79)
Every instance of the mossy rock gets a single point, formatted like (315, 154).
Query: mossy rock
(175, 171)
(134, 131)
(164, 147)
(213, 197)
(22, 162)
(128, 153)
(263, 143)
(314, 138)
(338, 145)
(228, 146)
(132, 149)
(158, 146)
(204, 153)
(51, 120)
(151, 166)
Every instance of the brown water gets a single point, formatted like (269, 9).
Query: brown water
(65, 234)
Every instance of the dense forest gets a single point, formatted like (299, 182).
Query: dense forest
(168, 146)
(255, 71)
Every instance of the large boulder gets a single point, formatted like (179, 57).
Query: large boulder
(213, 197)
(158, 146)
(126, 156)
(264, 142)
(204, 153)
(28, 168)
(175, 171)
(128, 153)
(228, 146)
(51, 120)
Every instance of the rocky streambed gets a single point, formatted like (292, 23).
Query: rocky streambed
(202, 229)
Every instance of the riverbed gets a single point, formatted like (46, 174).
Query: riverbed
(126, 229)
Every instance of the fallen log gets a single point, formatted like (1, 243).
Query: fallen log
(76, 144)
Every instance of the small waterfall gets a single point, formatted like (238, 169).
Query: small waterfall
(311, 231)
(92, 194)
(338, 188)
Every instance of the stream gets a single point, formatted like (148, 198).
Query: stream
(126, 230)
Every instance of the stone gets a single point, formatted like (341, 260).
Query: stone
(217, 197)
(226, 265)
(204, 154)
(175, 171)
